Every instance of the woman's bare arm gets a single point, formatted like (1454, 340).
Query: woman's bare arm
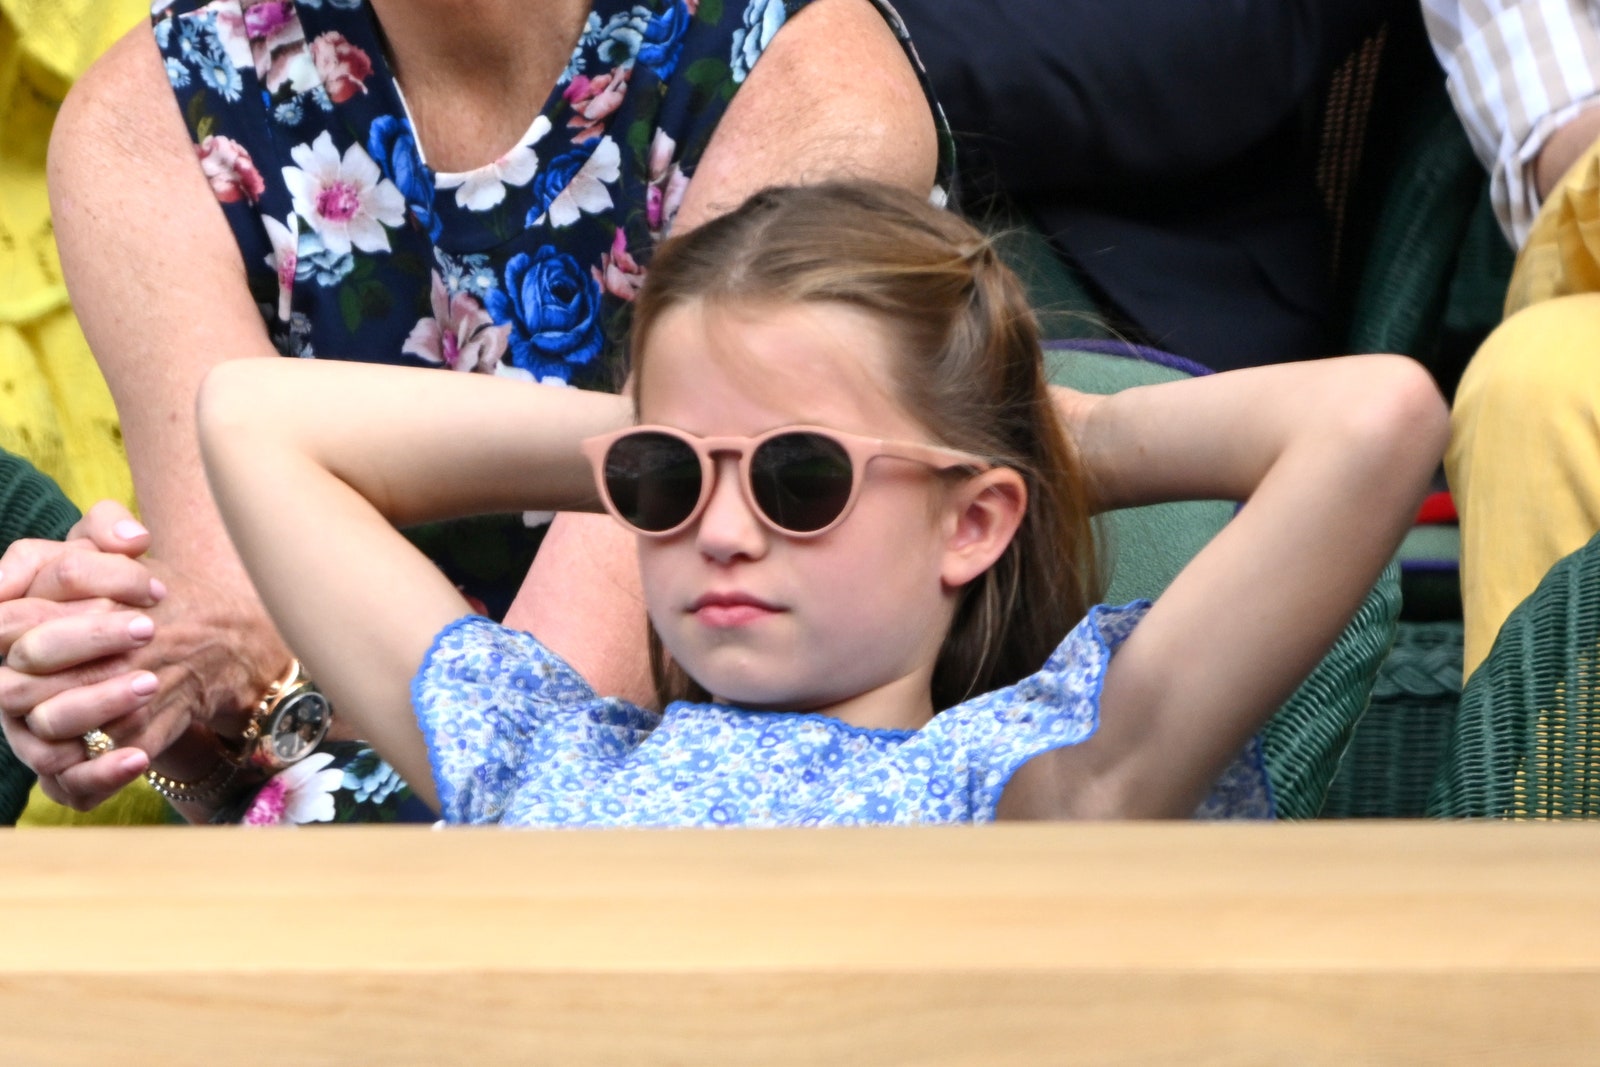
(159, 287)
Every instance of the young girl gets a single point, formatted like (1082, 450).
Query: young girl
(862, 533)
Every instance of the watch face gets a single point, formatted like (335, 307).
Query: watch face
(297, 724)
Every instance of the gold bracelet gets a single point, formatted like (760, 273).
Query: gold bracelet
(198, 792)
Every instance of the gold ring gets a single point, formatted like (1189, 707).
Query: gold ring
(97, 743)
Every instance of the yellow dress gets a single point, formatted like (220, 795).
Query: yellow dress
(55, 409)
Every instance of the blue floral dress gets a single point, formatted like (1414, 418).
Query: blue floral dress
(516, 736)
(356, 249)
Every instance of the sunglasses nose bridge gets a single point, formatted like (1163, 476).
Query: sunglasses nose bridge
(729, 523)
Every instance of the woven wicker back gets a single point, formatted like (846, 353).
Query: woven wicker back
(1526, 743)
(30, 506)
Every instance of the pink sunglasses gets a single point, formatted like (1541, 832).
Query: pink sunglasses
(801, 480)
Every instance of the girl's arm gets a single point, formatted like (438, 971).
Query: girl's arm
(314, 463)
(1331, 459)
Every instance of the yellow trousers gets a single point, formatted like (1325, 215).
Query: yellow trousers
(1524, 457)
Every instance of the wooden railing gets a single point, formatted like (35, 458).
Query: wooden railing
(1304, 944)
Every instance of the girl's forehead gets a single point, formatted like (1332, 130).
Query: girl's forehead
(801, 362)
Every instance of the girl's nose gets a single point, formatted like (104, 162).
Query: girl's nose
(728, 529)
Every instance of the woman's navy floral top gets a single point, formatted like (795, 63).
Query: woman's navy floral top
(356, 249)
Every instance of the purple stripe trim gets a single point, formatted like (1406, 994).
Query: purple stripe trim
(1129, 350)
(1429, 565)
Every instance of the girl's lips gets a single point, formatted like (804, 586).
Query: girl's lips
(722, 610)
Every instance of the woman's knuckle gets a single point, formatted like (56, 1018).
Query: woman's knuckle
(73, 572)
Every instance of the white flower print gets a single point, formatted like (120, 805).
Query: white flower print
(482, 189)
(347, 201)
(284, 259)
(308, 789)
(587, 191)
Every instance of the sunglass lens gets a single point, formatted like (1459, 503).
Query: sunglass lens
(801, 480)
(653, 480)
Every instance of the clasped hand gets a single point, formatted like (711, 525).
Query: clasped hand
(86, 643)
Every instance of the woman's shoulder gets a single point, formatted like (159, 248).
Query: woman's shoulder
(121, 104)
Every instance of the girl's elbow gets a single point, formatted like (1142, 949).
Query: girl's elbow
(220, 407)
(1397, 415)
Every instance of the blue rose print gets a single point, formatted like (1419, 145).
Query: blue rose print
(393, 146)
(762, 21)
(554, 177)
(552, 305)
(663, 40)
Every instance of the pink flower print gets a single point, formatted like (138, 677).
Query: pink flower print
(231, 32)
(268, 807)
(342, 66)
(667, 184)
(284, 259)
(303, 793)
(593, 100)
(346, 200)
(230, 170)
(278, 46)
(619, 274)
(460, 335)
(264, 18)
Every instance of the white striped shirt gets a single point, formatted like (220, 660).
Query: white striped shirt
(1517, 71)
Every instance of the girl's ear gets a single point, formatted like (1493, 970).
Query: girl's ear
(983, 515)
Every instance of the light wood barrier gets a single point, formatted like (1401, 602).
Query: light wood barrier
(1182, 944)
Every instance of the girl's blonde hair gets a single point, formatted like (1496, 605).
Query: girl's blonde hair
(970, 369)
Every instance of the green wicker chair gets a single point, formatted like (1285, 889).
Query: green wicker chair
(30, 506)
(1526, 738)
(1146, 547)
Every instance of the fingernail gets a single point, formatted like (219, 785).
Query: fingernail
(141, 627)
(127, 529)
(158, 589)
(144, 683)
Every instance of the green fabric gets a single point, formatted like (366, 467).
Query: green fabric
(1425, 265)
(1146, 547)
(30, 506)
(1142, 549)
(1526, 739)
(1399, 744)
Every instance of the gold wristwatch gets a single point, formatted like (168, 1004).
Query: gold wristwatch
(289, 721)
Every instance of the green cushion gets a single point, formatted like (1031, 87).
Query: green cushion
(1146, 547)
(31, 505)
